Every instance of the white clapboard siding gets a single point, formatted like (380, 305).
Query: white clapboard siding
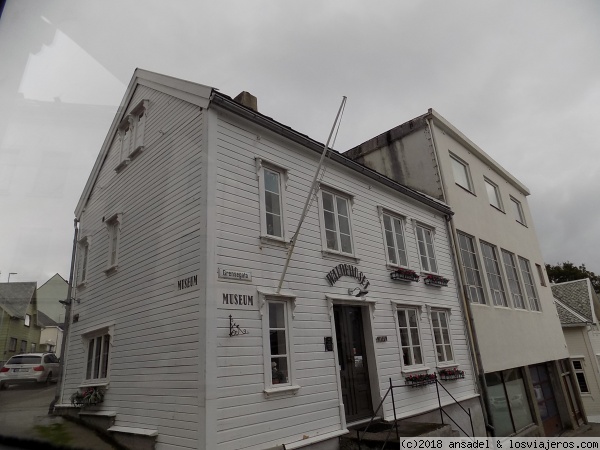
(246, 418)
(154, 365)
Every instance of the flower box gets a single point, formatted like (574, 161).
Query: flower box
(436, 280)
(451, 374)
(404, 275)
(92, 395)
(420, 380)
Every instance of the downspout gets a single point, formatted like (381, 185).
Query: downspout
(68, 302)
(467, 312)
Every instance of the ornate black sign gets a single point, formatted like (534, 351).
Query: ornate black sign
(347, 270)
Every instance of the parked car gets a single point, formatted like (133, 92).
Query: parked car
(29, 368)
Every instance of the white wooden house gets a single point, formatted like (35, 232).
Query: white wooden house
(184, 226)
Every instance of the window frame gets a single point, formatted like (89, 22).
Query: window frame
(12, 344)
(82, 266)
(92, 337)
(382, 214)
(580, 371)
(289, 303)
(514, 270)
(23, 348)
(519, 211)
(27, 320)
(540, 271)
(113, 225)
(349, 204)
(467, 172)
(477, 260)
(445, 362)
(414, 367)
(431, 230)
(131, 133)
(496, 189)
(533, 302)
(492, 290)
(261, 166)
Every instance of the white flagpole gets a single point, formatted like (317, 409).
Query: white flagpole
(308, 198)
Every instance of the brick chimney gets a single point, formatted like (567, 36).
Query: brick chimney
(247, 99)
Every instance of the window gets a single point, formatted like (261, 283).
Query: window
(12, 345)
(492, 269)
(509, 403)
(23, 347)
(541, 274)
(410, 342)
(517, 211)
(580, 375)
(98, 349)
(84, 249)
(469, 259)
(534, 303)
(461, 173)
(425, 245)
(272, 200)
(33, 347)
(336, 222)
(493, 194)
(393, 229)
(113, 226)
(279, 361)
(131, 134)
(27, 320)
(441, 335)
(510, 268)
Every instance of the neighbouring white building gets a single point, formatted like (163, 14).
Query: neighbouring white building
(49, 297)
(521, 351)
(184, 227)
(579, 309)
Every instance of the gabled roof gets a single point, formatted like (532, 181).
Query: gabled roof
(44, 321)
(576, 295)
(568, 316)
(194, 93)
(16, 297)
(52, 278)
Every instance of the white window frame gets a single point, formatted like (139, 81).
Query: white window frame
(349, 200)
(467, 171)
(494, 186)
(540, 271)
(261, 166)
(382, 213)
(446, 362)
(408, 368)
(512, 270)
(84, 253)
(580, 371)
(478, 269)
(131, 131)
(289, 302)
(113, 225)
(493, 291)
(518, 211)
(92, 336)
(27, 320)
(428, 257)
(528, 281)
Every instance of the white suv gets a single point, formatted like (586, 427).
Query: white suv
(30, 368)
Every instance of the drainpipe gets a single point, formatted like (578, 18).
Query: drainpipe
(462, 282)
(68, 301)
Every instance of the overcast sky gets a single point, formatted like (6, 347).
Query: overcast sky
(521, 79)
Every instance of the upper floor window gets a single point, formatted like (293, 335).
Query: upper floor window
(84, 249)
(393, 228)
(441, 336)
(131, 133)
(425, 246)
(462, 176)
(517, 210)
(492, 269)
(541, 274)
(580, 375)
(534, 303)
(410, 340)
(272, 200)
(113, 226)
(510, 267)
(27, 320)
(336, 222)
(468, 254)
(493, 194)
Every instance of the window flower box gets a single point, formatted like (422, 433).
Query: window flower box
(451, 374)
(420, 380)
(436, 280)
(401, 274)
(90, 396)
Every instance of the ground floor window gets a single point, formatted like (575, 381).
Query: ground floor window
(508, 401)
(98, 349)
(12, 345)
(23, 346)
(580, 375)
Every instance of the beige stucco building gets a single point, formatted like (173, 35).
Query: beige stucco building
(517, 334)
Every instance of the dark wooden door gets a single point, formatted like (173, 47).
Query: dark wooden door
(354, 371)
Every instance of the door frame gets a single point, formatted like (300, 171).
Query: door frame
(368, 309)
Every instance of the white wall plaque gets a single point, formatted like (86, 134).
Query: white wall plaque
(228, 274)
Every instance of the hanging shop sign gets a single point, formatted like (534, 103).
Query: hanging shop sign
(347, 270)
(227, 274)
